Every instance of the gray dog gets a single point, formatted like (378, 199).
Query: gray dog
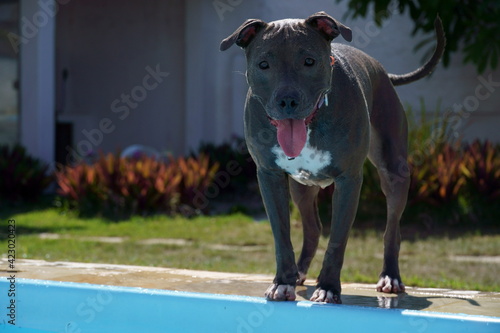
(314, 112)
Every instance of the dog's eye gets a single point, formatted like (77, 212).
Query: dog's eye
(263, 65)
(309, 62)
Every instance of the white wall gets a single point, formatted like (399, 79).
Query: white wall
(216, 86)
(37, 132)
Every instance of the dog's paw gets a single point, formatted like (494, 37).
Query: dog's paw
(301, 279)
(327, 296)
(386, 284)
(280, 292)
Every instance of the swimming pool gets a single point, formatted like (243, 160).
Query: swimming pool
(48, 306)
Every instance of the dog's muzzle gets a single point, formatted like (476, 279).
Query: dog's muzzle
(292, 133)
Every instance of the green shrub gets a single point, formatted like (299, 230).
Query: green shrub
(458, 183)
(234, 152)
(119, 187)
(481, 169)
(196, 174)
(438, 179)
(428, 131)
(22, 177)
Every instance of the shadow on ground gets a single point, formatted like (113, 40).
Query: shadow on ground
(391, 301)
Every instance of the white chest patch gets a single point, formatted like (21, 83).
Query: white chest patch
(306, 166)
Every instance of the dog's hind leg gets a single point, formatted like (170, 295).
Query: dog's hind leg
(305, 198)
(395, 187)
(388, 152)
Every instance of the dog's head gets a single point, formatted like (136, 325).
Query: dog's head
(289, 70)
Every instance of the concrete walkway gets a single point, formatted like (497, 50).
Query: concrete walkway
(439, 300)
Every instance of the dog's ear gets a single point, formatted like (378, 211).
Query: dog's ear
(329, 27)
(243, 35)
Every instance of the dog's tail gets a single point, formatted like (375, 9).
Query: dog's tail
(429, 66)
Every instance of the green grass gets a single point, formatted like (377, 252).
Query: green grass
(425, 260)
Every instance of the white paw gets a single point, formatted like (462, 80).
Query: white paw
(280, 292)
(388, 285)
(301, 279)
(327, 296)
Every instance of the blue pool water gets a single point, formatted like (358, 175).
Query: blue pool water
(47, 306)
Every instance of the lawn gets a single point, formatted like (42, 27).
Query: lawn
(236, 243)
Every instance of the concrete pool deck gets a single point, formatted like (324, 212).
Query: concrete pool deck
(425, 299)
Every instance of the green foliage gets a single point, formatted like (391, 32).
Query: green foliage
(436, 180)
(428, 130)
(462, 180)
(481, 168)
(22, 177)
(470, 26)
(196, 174)
(234, 152)
(450, 181)
(119, 187)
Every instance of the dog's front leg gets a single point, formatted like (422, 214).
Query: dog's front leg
(344, 207)
(276, 197)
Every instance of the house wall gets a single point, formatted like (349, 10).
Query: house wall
(216, 85)
(125, 74)
(36, 81)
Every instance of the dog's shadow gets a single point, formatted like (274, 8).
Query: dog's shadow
(390, 301)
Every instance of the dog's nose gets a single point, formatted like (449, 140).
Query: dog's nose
(288, 104)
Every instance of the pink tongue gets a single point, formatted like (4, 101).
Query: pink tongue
(292, 135)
